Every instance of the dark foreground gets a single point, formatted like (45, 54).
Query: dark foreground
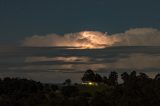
(136, 90)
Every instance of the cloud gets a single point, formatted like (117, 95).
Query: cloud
(139, 37)
(85, 39)
(96, 39)
(54, 63)
(64, 59)
(136, 61)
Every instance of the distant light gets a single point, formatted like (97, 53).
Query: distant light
(90, 83)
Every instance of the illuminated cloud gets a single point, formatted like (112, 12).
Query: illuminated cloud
(83, 40)
(95, 39)
(64, 59)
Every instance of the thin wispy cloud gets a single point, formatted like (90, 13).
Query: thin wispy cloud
(42, 61)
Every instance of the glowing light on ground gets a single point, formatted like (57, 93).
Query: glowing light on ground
(89, 83)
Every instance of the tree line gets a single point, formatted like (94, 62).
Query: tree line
(135, 90)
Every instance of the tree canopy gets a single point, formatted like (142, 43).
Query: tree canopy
(137, 89)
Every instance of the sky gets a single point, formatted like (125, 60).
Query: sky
(21, 18)
(52, 40)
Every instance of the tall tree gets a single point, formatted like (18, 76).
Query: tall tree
(157, 77)
(89, 75)
(113, 78)
(105, 80)
(133, 75)
(125, 77)
(98, 78)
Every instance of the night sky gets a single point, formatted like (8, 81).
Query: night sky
(53, 40)
(20, 18)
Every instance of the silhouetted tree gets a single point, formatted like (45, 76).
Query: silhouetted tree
(136, 90)
(70, 91)
(157, 77)
(54, 87)
(67, 82)
(105, 80)
(143, 76)
(113, 78)
(88, 76)
(125, 76)
(98, 78)
(133, 75)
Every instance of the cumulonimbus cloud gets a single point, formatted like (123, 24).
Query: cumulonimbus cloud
(96, 39)
(85, 39)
